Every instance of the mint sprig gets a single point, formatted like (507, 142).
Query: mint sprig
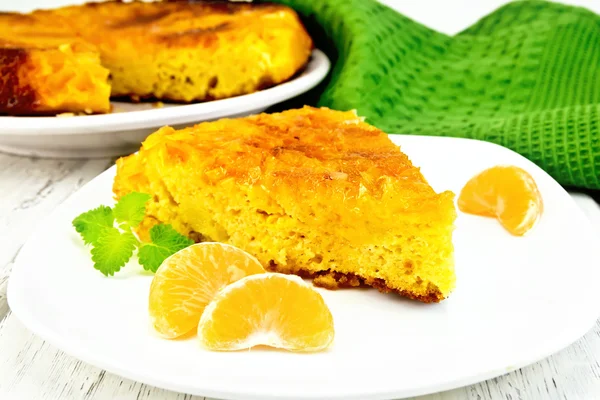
(91, 224)
(131, 209)
(164, 241)
(112, 250)
(109, 231)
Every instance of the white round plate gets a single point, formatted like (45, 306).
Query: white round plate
(517, 300)
(122, 131)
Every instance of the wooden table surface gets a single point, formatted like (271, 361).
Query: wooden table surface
(31, 369)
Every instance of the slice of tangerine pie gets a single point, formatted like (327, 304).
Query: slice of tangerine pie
(311, 191)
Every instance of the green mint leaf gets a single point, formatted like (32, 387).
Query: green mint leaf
(131, 208)
(165, 242)
(112, 250)
(93, 223)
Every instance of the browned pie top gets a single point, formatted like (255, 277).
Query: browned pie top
(177, 22)
(315, 150)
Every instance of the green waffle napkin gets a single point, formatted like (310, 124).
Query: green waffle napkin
(526, 77)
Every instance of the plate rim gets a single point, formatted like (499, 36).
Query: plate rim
(315, 71)
(559, 342)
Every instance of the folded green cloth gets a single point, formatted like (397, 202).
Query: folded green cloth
(527, 77)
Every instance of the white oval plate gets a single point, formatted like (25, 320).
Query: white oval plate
(122, 131)
(517, 300)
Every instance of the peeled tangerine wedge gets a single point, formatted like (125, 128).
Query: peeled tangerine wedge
(507, 193)
(189, 279)
(274, 310)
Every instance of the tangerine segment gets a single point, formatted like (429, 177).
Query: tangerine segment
(507, 193)
(274, 310)
(189, 279)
